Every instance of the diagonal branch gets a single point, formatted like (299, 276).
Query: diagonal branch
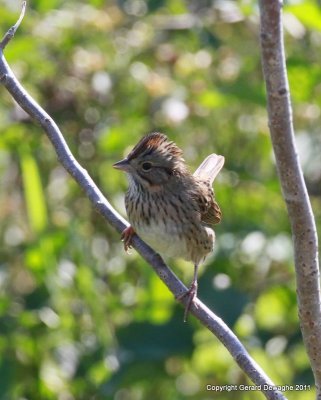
(198, 309)
(293, 186)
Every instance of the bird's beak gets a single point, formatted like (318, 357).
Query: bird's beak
(123, 165)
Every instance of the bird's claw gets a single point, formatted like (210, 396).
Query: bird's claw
(191, 293)
(127, 236)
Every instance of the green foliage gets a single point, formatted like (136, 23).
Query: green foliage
(79, 318)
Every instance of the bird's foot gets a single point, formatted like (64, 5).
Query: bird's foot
(191, 294)
(127, 236)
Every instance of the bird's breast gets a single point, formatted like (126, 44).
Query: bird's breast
(169, 226)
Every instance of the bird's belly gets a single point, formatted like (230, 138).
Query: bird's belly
(170, 241)
(163, 239)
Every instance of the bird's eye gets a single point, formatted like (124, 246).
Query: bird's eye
(146, 166)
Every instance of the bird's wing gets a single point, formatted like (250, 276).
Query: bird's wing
(209, 168)
(209, 209)
(205, 175)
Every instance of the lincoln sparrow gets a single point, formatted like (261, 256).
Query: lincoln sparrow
(168, 207)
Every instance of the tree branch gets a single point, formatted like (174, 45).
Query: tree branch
(198, 309)
(11, 32)
(292, 182)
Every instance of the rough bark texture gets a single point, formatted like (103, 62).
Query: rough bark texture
(292, 182)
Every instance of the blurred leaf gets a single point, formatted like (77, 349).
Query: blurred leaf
(6, 371)
(212, 99)
(34, 196)
(228, 303)
(153, 5)
(308, 12)
(275, 308)
(145, 341)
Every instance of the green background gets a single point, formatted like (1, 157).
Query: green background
(79, 318)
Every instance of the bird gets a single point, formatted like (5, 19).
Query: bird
(170, 208)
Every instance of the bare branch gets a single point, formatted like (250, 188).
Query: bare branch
(11, 32)
(293, 186)
(198, 309)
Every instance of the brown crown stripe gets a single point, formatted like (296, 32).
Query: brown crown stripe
(152, 142)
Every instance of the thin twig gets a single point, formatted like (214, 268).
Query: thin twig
(198, 309)
(293, 186)
(11, 32)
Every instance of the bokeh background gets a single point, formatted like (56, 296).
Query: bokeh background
(79, 318)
